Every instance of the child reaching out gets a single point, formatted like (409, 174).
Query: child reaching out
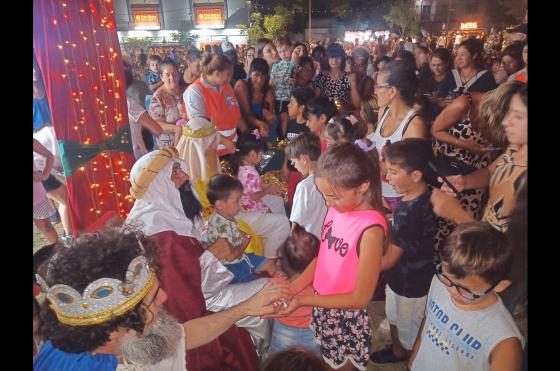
(309, 206)
(411, 254)
(293, 257)
(224, 193)
(346, 271)
(255, 197)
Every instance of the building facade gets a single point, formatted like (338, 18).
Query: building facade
(158, 19)
(450, 15)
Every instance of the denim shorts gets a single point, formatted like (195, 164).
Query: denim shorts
(284, 336)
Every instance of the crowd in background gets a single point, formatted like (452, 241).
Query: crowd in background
(405, 156)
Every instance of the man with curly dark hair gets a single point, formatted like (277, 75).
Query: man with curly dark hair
(104, 307)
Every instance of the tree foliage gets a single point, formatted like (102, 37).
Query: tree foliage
(515, 9)
(277, 24)
(128, 44)
(403, 17)
(271, 26)
(185, 38)
(255, 31)
(360, 13)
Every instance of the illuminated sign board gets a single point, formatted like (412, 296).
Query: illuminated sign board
(205, 17)
(469, 25)
(146, 19)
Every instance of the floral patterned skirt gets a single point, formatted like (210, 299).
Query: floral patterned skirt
(342, 334)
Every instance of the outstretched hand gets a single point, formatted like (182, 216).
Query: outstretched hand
(261, 304)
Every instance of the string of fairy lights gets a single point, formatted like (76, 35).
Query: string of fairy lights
(98, 71)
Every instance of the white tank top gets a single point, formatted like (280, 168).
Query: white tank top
(380, 141)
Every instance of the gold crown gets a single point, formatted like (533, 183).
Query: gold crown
(103, 299)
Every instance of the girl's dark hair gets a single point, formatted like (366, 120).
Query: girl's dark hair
(445, 55)
(303, 60)
(344, 165)
(215, 62)
(318, 52)
(303, 95)
(246, 143)
(320, 106)
(476, 48)
(336, 50)
(383, 58)
(294, 358)
(258, 65)
(403, 78)
(407, 58)
(220, 187)
(246, 50)
(369, 110)
(339, 130)
(304, 47)
(261, 43)
(515, 51)
(93, 256)
(298, 251)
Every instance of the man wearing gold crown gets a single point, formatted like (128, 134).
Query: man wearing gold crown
(104, 309)
(168, 210)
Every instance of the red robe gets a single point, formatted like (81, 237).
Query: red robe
(180, 277)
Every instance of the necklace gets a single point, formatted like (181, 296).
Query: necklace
(467, 81)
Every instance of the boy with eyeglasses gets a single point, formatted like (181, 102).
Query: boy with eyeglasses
(467, 327)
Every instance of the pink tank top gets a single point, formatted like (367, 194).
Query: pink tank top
(337, 263)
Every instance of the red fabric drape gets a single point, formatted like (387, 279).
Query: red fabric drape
(78, 53)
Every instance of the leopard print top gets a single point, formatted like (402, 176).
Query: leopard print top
(463, 130)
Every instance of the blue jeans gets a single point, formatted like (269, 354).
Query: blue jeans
(284, 336)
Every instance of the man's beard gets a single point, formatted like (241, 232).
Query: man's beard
(158, 342)
(191, 205)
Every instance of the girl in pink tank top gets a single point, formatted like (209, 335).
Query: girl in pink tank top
(346, 271)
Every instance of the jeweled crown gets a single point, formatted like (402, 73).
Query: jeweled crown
(103, 299)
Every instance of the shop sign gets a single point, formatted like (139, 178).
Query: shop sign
(209, 17)
(146, 19)
(469, 25)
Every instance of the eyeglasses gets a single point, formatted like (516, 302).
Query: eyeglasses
(463, 291)
(385, 86)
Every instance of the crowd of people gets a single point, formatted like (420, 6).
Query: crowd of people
(398, 173)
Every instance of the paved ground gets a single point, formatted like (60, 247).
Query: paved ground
(376, 310)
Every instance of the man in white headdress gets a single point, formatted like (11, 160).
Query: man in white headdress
(168, 210)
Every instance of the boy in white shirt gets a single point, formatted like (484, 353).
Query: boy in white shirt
(309, 208)
(467, 326)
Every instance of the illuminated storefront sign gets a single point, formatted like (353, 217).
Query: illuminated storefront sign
(146, 19)
(209, 17)
(469, 25)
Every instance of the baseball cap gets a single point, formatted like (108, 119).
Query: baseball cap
(522, 28)
(227, 46)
